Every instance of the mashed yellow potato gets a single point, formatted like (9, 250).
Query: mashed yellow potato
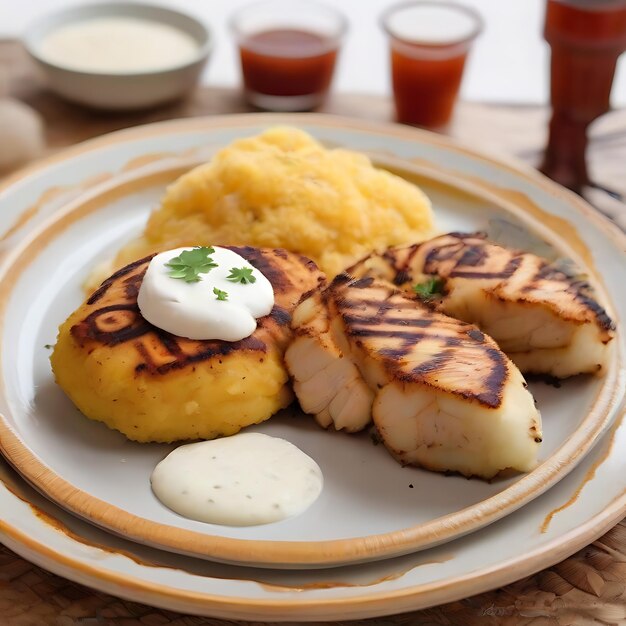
(283, 189)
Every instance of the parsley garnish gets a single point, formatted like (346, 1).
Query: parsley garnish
(221, 295)
(190, 263)
(429, 289)
(241, 275)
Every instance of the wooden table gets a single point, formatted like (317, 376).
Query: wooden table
(587, 588)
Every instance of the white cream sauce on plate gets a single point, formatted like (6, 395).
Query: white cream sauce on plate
(243, 480)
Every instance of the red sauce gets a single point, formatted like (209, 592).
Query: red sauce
(586, 40)
(425, 86)
(287, 62)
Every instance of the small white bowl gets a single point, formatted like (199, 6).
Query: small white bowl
(122, 91)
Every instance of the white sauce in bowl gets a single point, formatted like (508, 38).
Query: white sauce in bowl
(243, 480)
(118, 45)
(193, 310)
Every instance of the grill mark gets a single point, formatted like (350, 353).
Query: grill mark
(88, 328)
(410, 256)
(310, 265)
(440, 253)
(212, 349)
(602, 317)
(104, 287)
(496, 380)
(476, 335)
(399, 352)
(171, 345)
(274, 273)
(378, 332)
(393, 321)
(432, 365)
(340, 279)
(479, 234)
(581, 290)
(281, 316)
(216, 348)
(547, 272)
(410, 337)
(393, 353)
(478, 275)
(346, 304)
(513, 265)
(365, 303)
(473, 257)
(510, 269)
(133, 283)
(308, 294)
(402, 277)
(402, 272)
(491, 397)
(99, 292)
(391, 256)
(147, 363)
(362, 283)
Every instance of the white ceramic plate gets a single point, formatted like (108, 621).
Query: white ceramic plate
(573, 513)
(368, 509)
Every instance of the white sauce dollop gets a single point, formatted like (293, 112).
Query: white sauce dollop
(192, 310)
(118, 45)
(243, 480)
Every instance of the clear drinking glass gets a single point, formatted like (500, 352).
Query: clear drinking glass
(429, 41)
(288, 51)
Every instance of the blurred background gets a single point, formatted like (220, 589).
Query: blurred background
(574, 130)
(508, 64)
(576, 135)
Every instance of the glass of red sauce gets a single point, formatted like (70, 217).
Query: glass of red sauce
(430, 41)
(586, 39)
(288, 51)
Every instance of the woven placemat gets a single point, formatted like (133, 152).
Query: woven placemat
(588, 588)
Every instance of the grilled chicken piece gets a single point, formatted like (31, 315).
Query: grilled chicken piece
(153, 386)
(326, 381)
(547, 322)
(443, 395)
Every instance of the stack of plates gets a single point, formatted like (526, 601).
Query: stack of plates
(381, 539)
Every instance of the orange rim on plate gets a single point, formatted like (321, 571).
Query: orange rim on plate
(301, 553)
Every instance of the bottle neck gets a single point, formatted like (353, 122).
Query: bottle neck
(599, 24)
(564, 158)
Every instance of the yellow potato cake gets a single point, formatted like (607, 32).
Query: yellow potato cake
(153, 386)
